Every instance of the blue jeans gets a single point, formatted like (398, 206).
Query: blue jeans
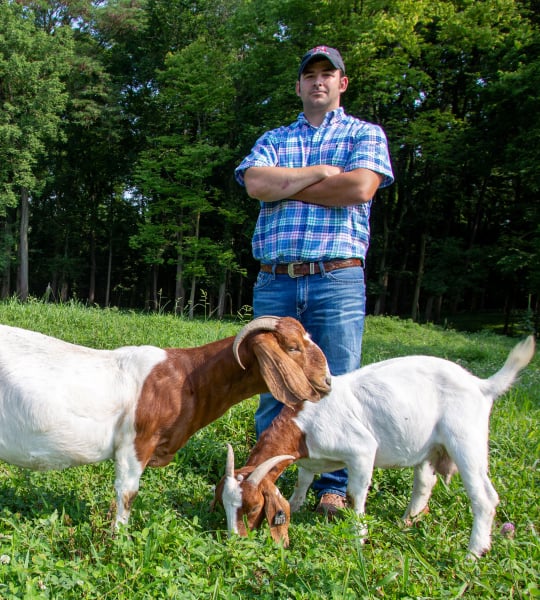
(331, 307)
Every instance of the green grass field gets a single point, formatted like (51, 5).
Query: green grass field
(55, 527)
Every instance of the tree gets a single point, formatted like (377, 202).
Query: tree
(174, 174)
(33, 96)
(129, 180)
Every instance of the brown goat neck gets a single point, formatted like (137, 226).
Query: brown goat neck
(283, 436)
(186, 392)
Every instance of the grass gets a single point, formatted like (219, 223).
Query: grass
(55, 527)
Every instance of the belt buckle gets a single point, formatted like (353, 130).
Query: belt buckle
(290, 269)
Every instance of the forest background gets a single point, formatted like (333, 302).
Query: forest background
(121, 123)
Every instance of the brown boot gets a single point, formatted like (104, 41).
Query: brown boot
(331, 505)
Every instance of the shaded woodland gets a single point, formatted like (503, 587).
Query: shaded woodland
(121, 123)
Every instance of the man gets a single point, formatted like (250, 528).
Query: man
(315, 180)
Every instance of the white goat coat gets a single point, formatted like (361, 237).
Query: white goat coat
(400, 407)
(416, 411)
(76, 405)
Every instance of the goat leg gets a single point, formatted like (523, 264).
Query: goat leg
(303, 482)
(128, 474)
(425, 479)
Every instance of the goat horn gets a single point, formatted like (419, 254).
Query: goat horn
(229, 467)
(267, 323)
(264, 468)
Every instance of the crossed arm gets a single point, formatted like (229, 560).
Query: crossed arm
(320, 184)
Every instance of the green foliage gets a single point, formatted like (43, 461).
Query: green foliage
(55, 528)
(174, 173)
(156, 102)
(32, 98)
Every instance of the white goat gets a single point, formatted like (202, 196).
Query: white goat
(417, 411)
(63, 405)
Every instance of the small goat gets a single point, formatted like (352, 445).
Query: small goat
(63, 405)
(417, 411)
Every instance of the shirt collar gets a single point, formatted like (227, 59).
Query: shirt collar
(330, 118)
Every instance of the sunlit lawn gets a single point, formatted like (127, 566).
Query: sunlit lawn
(55, 528)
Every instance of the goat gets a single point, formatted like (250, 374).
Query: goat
(417, 411)
(63, 405)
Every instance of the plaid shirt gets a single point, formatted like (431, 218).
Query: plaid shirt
(288, 230)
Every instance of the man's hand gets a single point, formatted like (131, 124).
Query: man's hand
(344, 189)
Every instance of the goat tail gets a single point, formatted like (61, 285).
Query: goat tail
(520, 356)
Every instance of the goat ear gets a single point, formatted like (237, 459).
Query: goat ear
(284, 378)
(278, 514)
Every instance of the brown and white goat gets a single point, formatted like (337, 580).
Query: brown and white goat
(417, 411)
(63, 405)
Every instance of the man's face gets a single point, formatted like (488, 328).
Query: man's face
(321, 85)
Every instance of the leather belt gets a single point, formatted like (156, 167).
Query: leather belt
(299, 269)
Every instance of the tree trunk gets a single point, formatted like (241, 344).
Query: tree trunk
(64, 291)
(508, 308)
(419, 276)
(380, 303)
(221, 299)
(155, 299)
(239, 295)
(179, 291)
(111, 212)
(63, 280)
(7, 245)
(194, 279)
(22, 281)
(92, 282)
(429, 309)
(396, 288)
(192, 297)
(109, 274)
(438, 309)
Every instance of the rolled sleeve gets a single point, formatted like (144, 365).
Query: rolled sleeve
(371, 152)
(263, 154)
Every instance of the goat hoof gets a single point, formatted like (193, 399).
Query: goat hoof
(409, 520)
(475, 555)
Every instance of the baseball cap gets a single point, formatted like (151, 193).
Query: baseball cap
(330, 54)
